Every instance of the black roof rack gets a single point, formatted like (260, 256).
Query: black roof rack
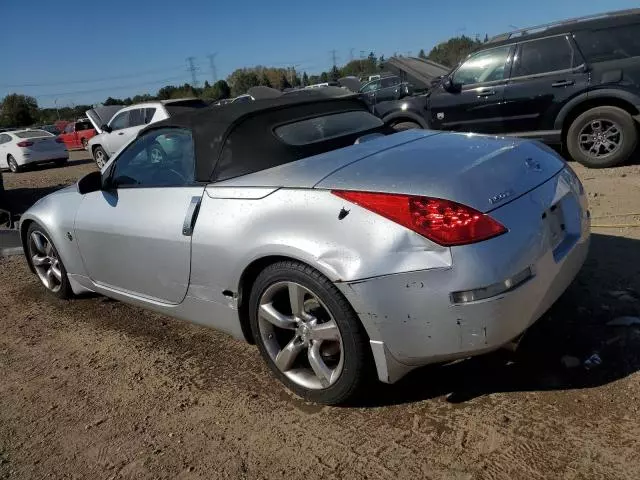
(539, 28)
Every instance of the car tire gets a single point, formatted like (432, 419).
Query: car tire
(13, 165)
(352, 368)
(61, 162)
(45, 260)
(402, 126)
(602, 137)
(100, 156)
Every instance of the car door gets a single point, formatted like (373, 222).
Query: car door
(67, 135)
(389, 89)
(473, 101)
(135, 234)
(368, 91)
(545, 75)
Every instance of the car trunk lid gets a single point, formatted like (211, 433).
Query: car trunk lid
(479, 171)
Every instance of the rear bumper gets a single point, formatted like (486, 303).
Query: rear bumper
(40, 157)
(410, 317)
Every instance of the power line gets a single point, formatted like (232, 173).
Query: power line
(212, 66)
(192, 68)
(106, 89)
(92, 80)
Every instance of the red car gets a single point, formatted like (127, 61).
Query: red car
(77, 134)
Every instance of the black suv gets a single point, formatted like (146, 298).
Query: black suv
(575, 83)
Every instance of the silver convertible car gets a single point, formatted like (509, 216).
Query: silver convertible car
(301, 224)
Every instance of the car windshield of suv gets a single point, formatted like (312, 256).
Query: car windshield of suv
(485, 66)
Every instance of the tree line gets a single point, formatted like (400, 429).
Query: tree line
(17, 110)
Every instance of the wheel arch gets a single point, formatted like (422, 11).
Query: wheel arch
(24, 229)
(247, 280)
(404, 116)
(598, 98)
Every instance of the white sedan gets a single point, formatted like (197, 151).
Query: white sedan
(22, 147)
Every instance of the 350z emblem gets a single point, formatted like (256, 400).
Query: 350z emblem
(499, 197)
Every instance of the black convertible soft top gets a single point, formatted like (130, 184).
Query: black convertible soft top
(237, 139)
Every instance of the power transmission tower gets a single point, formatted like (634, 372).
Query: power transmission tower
(351, 54)
(192, 69)
(212, 66)
(333, 57)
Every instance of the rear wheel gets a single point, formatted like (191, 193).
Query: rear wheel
(46, 262)
(308, 333)
(402, 126)
(602, 137)
(100, 156)
(13, 165)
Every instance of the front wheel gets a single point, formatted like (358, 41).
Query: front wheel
(44, 257)
(402, 126)
(308, 333)
(602, 137)
(100, 156)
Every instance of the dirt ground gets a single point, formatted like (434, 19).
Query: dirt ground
(93, 388)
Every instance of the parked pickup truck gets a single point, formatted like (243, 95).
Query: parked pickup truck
(77, 134)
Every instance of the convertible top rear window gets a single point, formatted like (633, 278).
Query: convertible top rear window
(312, 130)
(175, 108)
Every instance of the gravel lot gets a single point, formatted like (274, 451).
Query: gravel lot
(93, 388)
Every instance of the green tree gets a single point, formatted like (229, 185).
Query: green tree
(206, 84)
(313, 79)
(305, 79)
(127, 101)
(242, 80)
(486, 38)
(165, 92)
(335, 73)
(449, 53)
(218, 91)
(264, 80)
(18, 110)
(142, 98)
(113, 101)
(284, 82)
(421, 54)
(324, 77)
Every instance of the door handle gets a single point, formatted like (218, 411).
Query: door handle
(486, 93)
(121, 133)
(190, 217)
(563, 83)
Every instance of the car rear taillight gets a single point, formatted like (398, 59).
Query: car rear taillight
(442, 221)
(59, 140)
(24, 143)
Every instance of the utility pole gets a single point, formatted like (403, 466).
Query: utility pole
(55, 102)
(192, 69)
(351, 54)
(212, 66)
(333, 57)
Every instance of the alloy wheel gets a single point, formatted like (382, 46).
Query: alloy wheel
(300, 335)
(100, 158)
(600, 138)
(13, 165)
(45, 261)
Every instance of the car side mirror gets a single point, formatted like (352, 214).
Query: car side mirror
(405, 90)
(447, 84)
(106, 128)
(91, 182)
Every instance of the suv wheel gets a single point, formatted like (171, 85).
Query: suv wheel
(602, 137)
(100, 156)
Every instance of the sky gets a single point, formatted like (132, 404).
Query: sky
(72, 52)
